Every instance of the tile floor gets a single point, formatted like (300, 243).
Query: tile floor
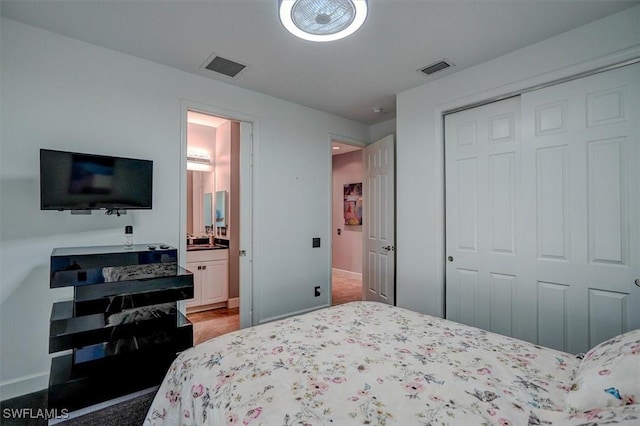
(209, 324)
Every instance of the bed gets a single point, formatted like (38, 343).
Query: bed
(370, 363)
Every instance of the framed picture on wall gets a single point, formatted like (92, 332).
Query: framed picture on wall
(353, 204)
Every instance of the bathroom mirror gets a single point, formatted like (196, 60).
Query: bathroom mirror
(200, 217)
(221, 209)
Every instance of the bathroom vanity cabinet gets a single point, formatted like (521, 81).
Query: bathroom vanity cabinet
(210, 268)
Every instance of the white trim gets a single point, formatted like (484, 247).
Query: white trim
(24, 385)
(246, 289)
(292, 314)
(208, 307)
(233, 302)
(347, 140)
(347, 274)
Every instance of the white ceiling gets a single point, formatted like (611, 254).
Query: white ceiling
(338, 148)
(346, 78)
(205, 119)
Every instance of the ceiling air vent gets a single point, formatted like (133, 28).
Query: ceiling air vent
(225, 66)
(438, 66)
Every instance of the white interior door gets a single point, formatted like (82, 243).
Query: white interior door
(246, 224)
(482, 151)
(544, 229)
(581, 157)
(378, 221)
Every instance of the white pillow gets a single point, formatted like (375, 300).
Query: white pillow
(609, 375)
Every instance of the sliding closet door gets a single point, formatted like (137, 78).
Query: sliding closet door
(543, 219)
(483, 206)
(581, 180)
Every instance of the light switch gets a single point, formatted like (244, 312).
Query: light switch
(315, 242)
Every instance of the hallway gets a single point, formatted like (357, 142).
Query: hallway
(345, 288)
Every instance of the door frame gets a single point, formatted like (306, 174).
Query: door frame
(334, 137)
(246, 290)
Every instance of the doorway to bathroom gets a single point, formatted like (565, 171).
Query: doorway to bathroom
(216, 219)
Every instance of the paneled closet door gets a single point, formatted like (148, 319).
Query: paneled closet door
(581, 183)
(483, 210)
(543, 227)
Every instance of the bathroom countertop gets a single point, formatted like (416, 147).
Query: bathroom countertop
(196, 247)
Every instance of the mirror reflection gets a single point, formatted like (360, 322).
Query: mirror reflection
(207, 207)
(221, 209)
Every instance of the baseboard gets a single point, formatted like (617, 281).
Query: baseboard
(200, 308)
(347, 274)
(24, 385)
(291, 314)
(234, 302)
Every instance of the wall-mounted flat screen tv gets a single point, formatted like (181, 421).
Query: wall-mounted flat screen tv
(76, 181)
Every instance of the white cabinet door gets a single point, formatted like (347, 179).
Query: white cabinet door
(214, 282)
(197, 284)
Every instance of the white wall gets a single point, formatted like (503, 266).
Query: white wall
(57, 92)
(201, 139)
(420, 194)
(347, 247)
(380, 130)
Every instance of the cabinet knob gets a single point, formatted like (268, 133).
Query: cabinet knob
(204, 267)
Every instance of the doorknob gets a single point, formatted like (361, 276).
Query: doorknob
(450, 258)
(637, 281)
(389, 248)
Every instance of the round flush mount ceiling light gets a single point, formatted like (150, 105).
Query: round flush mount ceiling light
(322, 20)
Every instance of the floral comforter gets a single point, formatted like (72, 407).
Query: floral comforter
(369, 363)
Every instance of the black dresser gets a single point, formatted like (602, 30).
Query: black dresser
(122, 327)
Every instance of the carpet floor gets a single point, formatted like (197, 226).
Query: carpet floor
(126, 413)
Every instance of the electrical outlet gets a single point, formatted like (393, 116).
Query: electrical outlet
(316, 291)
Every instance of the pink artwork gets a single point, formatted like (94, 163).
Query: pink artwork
(353, 204)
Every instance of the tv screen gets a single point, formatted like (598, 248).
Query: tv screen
(76, 181)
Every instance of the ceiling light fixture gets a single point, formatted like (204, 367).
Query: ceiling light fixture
(322, 20)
